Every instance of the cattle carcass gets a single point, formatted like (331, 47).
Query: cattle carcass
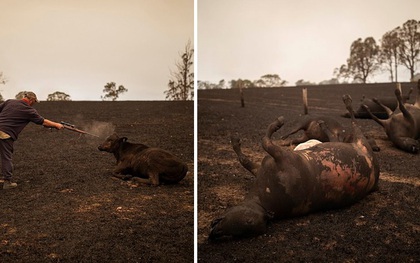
(292, 183)
(312, 131)
(403, 124)
(375, 108)
(142, 163)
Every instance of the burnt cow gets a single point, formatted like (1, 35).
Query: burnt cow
(313, 131)
(403, 126)
(292, 183)
(143, 163)
(375, 108)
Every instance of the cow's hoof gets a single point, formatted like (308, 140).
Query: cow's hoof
(235, 141)
(347, 100)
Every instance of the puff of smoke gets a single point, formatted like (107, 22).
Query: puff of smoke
(101, 129)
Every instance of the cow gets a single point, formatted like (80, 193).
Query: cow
(402, 127)
(292, 183)
(375, 108)
(142, 163)
(311, 130)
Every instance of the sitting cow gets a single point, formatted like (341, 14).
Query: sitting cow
(402, 127)
(143, 163)
(292, 183)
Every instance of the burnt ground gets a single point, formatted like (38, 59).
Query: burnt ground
(383, 227)
(67, 207)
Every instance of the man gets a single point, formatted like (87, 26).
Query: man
(14, 116)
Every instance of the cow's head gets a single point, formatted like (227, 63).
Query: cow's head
(112, 143)
(240, 221)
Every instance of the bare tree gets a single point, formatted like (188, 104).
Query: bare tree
(241, 83)
(181, 85)
(303, 82)
(58, 96)
(3, 79)
(409, 50)
(270, 80)
(390, 43)
(363, 61)
(112, 92)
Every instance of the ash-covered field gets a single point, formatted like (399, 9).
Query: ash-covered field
(68, 208)
(383, 227)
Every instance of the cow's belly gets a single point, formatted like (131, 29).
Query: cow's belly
(321, 181)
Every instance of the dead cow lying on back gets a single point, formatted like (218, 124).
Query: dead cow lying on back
(293, 183)
(143, 163)
(403, 126)
(375, 108)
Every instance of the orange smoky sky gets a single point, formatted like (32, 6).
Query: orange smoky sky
(78, 46)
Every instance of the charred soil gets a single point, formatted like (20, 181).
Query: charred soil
(68, 207)
(383, 227)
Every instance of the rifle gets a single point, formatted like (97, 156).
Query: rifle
(71, 127)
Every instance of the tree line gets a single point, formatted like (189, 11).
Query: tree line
(398, 47)
(180, 85)
(111, 91)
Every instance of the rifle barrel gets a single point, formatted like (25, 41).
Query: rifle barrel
(71, 127)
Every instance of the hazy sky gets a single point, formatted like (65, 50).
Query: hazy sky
(302, 39)
(77, 46)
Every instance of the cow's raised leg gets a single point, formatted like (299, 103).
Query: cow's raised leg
(407, 115)
(383, 123)
(388, 111)
(285, 141)
(293, 131)
(358, 136)
(417, 102)
(244, 160)
(332, 137)
(288, 142)
(275, 151)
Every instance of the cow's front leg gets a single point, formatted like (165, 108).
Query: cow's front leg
(123, 172)
(142, 180)
(122, 176)
(152, 180)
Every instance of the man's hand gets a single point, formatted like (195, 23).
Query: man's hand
(59, 126)
(52, 124)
